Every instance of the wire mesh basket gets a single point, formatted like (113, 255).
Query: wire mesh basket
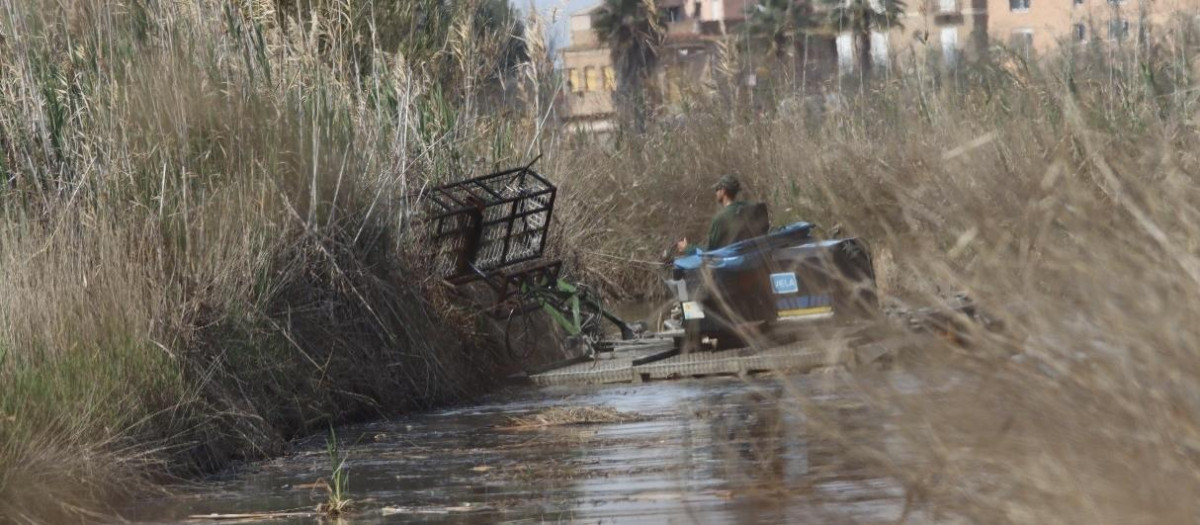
(487, 223)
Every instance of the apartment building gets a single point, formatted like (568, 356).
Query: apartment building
(952, 30)
(588, 69)
(1044, 25)
(948, 31)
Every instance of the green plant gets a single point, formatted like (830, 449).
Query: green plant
(337, 502)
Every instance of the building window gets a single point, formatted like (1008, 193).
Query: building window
(1080, 32)
(591, 79)
(673, 14)
(950, 45)
(674, 92)
(1077, 2)
(1018, 6)
(845, 51)
(575, 81)
(879, 49)
(1021, 41)
(1118, 29)
(610, 79)
(947, 6)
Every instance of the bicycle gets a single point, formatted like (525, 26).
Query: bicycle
(575, 309)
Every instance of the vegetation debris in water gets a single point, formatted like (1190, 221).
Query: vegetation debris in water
(564, 415)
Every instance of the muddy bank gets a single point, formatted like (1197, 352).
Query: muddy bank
(700, 451)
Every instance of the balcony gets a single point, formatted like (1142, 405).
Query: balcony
(686, 26)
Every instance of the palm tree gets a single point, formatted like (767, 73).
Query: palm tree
(860, 18)
(780, 23)
(633, 32)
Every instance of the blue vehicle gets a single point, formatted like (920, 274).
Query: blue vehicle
(782, 276)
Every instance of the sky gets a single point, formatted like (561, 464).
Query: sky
(564, 8)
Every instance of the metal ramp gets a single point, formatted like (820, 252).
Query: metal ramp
(663, 361)
(616, 368)
(793, 358)
(657, 358)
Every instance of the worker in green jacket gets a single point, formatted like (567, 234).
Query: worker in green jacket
(724, 228)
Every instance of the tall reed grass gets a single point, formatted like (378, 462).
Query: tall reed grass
(202, 248)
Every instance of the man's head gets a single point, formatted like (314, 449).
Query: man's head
(727, 189)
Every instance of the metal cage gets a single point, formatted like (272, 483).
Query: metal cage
(487, 223)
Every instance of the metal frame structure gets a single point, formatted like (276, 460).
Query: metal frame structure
(494, 229)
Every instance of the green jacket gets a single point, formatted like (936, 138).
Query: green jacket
(723, 229)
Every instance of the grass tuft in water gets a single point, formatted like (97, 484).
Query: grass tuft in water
(338, 485)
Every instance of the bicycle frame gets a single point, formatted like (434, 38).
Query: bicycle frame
(564, 301)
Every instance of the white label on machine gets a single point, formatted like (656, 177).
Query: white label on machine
(784, 283)
(692, 310)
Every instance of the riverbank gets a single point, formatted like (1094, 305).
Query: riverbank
(325, 336)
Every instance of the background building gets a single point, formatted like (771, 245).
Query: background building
(943, 32)
(588, 70)
(693, 28)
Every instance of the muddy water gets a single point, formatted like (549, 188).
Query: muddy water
(697, 451)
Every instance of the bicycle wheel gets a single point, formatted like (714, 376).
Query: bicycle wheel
(521, 335)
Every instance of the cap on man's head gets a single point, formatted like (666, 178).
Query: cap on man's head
(729, 183)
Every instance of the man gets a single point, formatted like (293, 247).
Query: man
(730, 224)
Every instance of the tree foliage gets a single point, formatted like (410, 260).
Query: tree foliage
(634, 31)
(780, 24)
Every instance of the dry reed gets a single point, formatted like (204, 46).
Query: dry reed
(201, 247)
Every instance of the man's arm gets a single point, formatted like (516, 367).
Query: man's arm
(687, 248)
(718, 231)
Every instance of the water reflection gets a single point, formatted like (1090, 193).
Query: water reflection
(711, 451)
(784, 464)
